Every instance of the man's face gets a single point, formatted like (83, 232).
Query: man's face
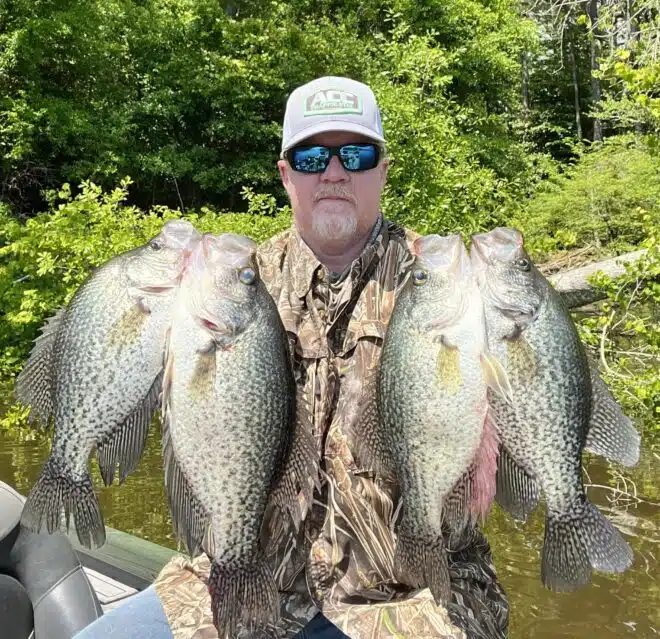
(332, 207)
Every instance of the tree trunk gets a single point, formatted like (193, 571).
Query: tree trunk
(524, 95)
(576, 89)
(573, 286)
(595, 82)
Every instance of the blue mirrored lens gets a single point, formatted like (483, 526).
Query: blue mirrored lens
(358, 157)
(314, 159)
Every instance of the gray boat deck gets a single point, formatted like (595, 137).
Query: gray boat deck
(123, 566)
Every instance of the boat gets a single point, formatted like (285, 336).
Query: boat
(81, 584)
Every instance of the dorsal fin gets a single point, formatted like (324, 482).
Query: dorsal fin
(34, 383)
(611, 434)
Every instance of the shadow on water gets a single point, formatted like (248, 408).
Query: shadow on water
(611, 607)
(139, 506)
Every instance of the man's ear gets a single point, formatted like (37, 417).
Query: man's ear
(284, 172)
(384, 168)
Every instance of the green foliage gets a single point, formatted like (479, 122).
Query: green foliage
(44, 260)
(632, 76)
(557, 67)
(454, 166)
(627, 331)
(602, 200)
(187, 96)
(609, 200)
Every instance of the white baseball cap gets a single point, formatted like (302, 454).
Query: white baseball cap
(331, 104)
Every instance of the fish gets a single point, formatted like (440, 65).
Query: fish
(94, 374)
(229, 424)
(436, 430)
(558, 407)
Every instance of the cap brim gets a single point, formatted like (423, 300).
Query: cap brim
(332, 126)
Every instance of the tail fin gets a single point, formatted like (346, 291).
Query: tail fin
(54, 490)
(245, 594)
(422, 563)
(576, 544)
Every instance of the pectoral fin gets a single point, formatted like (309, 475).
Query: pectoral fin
(202, 382)
(496, 376)
(129, 326)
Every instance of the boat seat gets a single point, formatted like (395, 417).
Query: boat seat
(11, 507)
(48, 569)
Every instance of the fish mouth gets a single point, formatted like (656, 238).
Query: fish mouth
(501, 244)
(157, 290)
(478, 251)
(181, 234)
(228, 249)
(440, 252)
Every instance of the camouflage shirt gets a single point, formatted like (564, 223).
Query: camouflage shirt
(342, 561)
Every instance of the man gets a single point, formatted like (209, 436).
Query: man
(335, 276)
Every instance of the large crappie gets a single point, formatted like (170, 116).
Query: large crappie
(559, 406)
(229, 407)
(432, 402)
(96, 371)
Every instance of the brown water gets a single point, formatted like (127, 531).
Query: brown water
(612, 606)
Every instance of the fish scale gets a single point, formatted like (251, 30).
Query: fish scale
(552, 415)
(230, 436)
(95, 373)
(431, 427)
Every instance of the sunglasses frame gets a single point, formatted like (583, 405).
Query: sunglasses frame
(334, 150)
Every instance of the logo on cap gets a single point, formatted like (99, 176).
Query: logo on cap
(332, 102)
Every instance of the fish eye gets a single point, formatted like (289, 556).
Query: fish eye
(523, 264)
(155, 245)
(247, 275)
(419, 277)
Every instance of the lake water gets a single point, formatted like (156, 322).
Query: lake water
(611, 607)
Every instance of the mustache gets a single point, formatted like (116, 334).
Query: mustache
(334, 191)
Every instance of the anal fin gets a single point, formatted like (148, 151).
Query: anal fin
(473, 494)
(516, 490)
(190, 521)
(126, 445)
(292, 495)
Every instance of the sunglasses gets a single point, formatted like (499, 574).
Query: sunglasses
(315, 159)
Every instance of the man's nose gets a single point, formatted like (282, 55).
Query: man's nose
(335, 171)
